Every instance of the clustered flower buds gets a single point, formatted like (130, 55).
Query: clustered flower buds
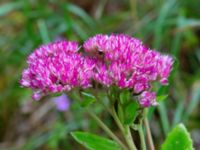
(116, 59)
(56, 67)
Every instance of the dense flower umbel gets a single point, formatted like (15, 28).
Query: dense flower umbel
(118, 60)
(56, 67)
(125, 62)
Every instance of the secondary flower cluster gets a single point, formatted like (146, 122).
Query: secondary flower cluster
(56, 67)
(117, 59)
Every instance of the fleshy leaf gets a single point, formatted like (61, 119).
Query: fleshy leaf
(56, 94)
(94, 142)
(161, 98)
(124, 96)
(130, 113)
(113, 93)
(178, 139)
(120, 112)
(87, 99)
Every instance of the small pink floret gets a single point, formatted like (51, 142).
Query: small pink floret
(147, 99)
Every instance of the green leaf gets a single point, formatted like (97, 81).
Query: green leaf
(130, 113)
(178, 139)
(8, 7)
(55, 94)
(120, 112)
(87, 99)
(81, 13)
(94, 142)
(113, 93)
(124, 96)
(161, 98)
(43, 31)
(195, 99)
(58, 132)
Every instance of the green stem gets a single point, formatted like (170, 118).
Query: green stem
(106, 129)
(133, 4)
(114, 114)
(125, 131)
(141, 134)
(164, 119)
(129, 138)
(139, 128)
(100, 101)
(149, 137)
(103, 126)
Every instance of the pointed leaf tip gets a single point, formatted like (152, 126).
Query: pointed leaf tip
(178, 139)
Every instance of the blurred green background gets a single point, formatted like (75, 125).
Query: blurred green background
(170, 26)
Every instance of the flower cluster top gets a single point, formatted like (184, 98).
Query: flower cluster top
(116, 59)
(56, 67)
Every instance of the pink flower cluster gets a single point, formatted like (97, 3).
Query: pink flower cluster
(118, 60)
(125, 62)
(56, 67)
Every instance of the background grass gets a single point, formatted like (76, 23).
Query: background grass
(171, 26)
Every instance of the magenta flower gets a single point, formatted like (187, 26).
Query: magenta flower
(148, 98)
(56, 67)
(118, 60)
(62, 102)
(125, 62)
(164, 68)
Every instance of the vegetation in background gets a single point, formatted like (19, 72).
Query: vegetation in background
(171, 26)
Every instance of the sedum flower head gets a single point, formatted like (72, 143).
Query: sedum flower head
(125, 62)
(56, 67)
(111, 60)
